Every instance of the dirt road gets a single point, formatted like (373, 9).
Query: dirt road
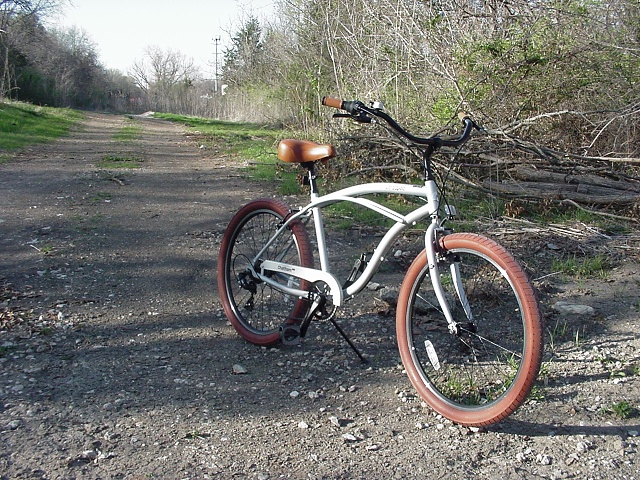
(116, 360)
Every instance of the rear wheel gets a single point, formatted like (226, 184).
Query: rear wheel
(483, 371)
(255, 308)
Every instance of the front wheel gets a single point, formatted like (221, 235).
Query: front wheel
(482, 370)
(256, 309)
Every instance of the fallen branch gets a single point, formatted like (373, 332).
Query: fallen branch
(538, 190)
(598, 212)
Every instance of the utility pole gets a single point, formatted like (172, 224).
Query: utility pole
(216, 41)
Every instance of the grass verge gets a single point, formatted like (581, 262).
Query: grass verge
(23, 124)
(252, 144)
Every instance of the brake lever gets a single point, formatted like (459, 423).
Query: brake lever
(361, 117)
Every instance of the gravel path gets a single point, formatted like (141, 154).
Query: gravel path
(116, 360)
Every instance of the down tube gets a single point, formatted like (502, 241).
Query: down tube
(377, 258)
(383, 247)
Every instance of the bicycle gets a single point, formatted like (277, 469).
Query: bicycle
(468, 323)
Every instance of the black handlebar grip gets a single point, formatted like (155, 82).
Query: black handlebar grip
(353, 106)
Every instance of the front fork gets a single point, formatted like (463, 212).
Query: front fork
(432, 246)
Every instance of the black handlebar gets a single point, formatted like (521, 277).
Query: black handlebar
(361, 113)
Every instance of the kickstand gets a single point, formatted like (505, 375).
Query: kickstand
(348, 340)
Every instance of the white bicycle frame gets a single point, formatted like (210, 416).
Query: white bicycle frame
(338, 294)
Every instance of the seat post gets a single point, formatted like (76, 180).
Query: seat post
(311, 178)
(317, 216)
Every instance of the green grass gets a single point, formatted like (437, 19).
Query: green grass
(251, 144)
(472, 206)
(100, 197)
(119, 161)
(128, 133)
(597, 266)
(560, 333)
(46, 249)
(22, 124)
(4, 351)
(87, 224)
(621, 410)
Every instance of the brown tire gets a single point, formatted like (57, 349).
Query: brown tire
(254, 308)
(484, 370)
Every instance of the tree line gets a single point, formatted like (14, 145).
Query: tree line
(555, 83)
(565, 71)
(51, 66)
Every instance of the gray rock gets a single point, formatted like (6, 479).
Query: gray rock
(567, 308)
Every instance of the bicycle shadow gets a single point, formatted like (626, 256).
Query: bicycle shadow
(563, 418)
(532, 429)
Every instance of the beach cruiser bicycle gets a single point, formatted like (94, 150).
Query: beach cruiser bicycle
(468, 324)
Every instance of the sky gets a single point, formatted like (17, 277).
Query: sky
(123, 29)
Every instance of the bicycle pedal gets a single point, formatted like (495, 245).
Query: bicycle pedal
(290, 334)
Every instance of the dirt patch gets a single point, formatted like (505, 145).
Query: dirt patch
(116, 360)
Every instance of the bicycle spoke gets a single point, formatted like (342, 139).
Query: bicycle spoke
(477, 363)
(485, 340)
(256, 308)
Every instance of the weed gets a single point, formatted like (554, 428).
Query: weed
(579, 335)
(557, 333)
(128, 133)
(598, 266)
(117, 161)
(622, 409)
(101, 197)
(484, 207)
(46, 249)
(87, 224)
(544, 375)
(560, 333)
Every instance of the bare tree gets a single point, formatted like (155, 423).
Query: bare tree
(166, 76)
(10, 11)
